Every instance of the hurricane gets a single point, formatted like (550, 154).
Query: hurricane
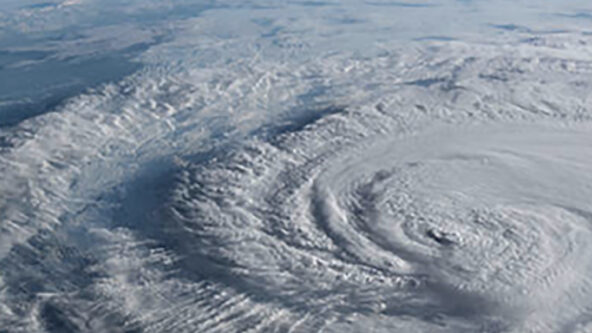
(295, 166)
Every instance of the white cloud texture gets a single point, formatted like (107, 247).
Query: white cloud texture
(304, 167)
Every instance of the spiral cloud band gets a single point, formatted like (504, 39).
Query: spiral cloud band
(237, 184)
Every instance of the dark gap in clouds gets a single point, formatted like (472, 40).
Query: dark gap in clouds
(41, 5)
(494, 77)
(20, 111)
(31, 86)
(427, 83)
(577, 15)
(525, 29)
(5, 143)
(511, 27)
(48, 85)
(439, 237)
(44, 85)
(145, 209)
(57, 320)
(304, 119)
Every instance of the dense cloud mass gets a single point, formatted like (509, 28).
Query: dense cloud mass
(295, 167)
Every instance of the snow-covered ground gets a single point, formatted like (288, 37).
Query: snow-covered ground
(295, 166)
